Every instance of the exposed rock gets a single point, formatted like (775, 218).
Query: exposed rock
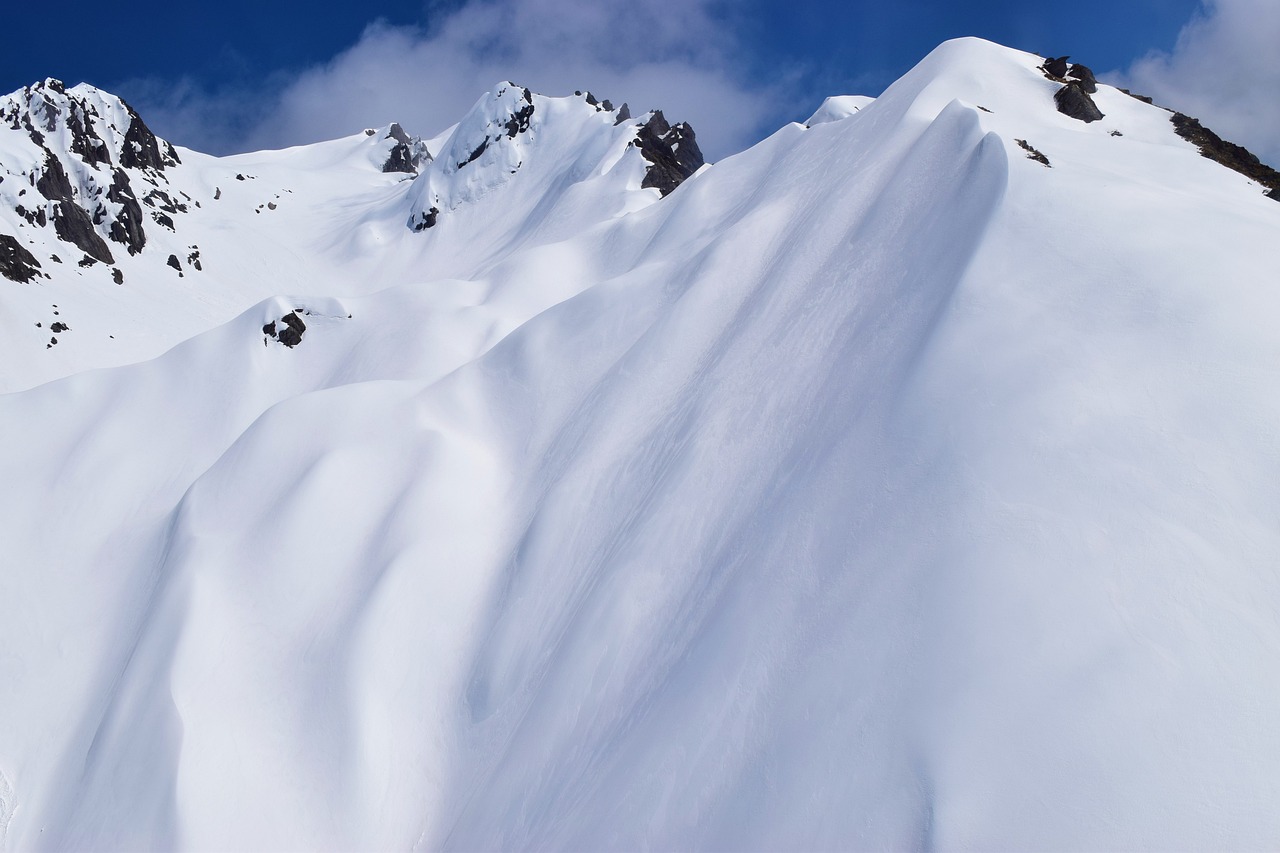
(57, 327)
(519, 121)
(141, 149)
(73, 226)
(291, 335)
(1056, 67)
(397, 133)
(16, 263)
(1084, 75)
(423, 221)
(87, 261)
(287, 330)
(1074, 102)
(1032, 153)
(400, 159)
(161, 199)
(84, 137)
(194, 258)
(70, 222)
(174, 262)
(673, 151)
(480, 149)
(1234, 157)
(127, 227)
(624, 114)
(1137, 97)
(53, 182)
(117, 275)
(163, 219)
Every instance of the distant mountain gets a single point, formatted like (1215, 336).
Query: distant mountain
(91, 197)
(905, 481)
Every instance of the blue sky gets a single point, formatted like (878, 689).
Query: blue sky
(235, 75)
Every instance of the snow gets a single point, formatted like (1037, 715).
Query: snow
(878, 488)
(837, 107)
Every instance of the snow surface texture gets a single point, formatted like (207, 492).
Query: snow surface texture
(878, 488)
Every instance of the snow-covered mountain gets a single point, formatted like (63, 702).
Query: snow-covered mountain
(905, 481)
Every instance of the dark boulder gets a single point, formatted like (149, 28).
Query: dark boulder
(287, 330)
(291, 334)
(174, 262)
(1084, 75)
(423, 221)
(1056, 67)
(117, 275)
(16, 263)
(1074, 102)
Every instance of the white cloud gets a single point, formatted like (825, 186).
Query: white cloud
(651, 53)
(1224, 70)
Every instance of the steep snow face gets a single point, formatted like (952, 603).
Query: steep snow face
(881, 487)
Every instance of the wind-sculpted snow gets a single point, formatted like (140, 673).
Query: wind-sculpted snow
(879, 488)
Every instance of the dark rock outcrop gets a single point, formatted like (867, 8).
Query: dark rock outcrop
(1084, 75)
(1056, 67)
(287, 330)
(403, 157)
(174, 262)
(127, 227)
(673, 151)
(624, 114)
(1234, 157)
(423, 221)
(1074, 102)
(142, 150)
(519, 121)
(1032, 152)
(16, 263)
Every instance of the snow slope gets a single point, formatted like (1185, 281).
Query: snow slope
(880, 487)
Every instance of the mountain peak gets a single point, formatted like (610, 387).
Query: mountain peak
(565, 140)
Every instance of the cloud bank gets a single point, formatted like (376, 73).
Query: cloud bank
(652, 54)
(1224, 70)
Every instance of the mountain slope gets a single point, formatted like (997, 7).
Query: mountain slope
(879, 487)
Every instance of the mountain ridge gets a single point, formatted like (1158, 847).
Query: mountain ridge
(881, 486)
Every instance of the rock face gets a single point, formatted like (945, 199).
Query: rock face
(673, 151)
(1074, 101)
(408, 153)
(1234, 157)
(97, 165)
(16, 263)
